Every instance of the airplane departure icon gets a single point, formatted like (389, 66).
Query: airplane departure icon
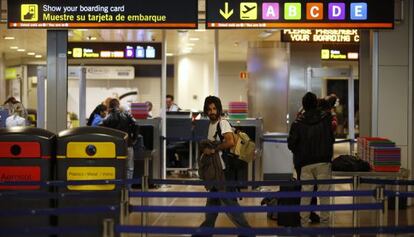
(248, 11)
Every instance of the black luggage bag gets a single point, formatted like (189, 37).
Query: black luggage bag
(289, 218)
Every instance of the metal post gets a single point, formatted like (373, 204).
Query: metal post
(144, 202)
(163, 114)
(82, 97)
(309, 79)
(57, 80)
(124, 205)
(108, 228)
(354, 201)
(41, 78)
(375, 79)
(351, 110)
(379, 197)
(216, 63)
(397, 203)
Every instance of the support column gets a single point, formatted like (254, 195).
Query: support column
(2, 79)
(57, 84)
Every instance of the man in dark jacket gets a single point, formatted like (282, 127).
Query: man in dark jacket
(125, 122)
(311, 140)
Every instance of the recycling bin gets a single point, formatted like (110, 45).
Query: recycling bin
(90, 153)
(26, 154)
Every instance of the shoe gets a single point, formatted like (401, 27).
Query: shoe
(314, 218)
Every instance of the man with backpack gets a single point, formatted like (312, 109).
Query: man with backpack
(220, 131)
(311, 141)
(123, 121)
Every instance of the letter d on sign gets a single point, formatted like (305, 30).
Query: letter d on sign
(336, 11)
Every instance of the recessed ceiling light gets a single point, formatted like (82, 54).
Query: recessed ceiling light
(8, 37)
(169, 54)
(14, 47)
(21, 50)
(194, 39)
(190, 44)
(31, 53)
(38, 56)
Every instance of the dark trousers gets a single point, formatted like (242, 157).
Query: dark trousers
(238, 219)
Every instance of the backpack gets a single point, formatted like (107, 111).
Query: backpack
(244, 147)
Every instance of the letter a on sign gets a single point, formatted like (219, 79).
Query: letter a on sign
(270, 11)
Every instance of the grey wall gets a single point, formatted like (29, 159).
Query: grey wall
(395, 85)
(231, 87)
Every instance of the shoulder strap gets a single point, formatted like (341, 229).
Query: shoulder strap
(218, 132)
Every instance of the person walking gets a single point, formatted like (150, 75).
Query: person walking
(221, 131)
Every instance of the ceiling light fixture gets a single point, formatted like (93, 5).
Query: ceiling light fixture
(194, 39)
(8, 37)
(14, 47)
(31, 53)
(21, 50)
(91, 38)
(169, 54)
(38, 56)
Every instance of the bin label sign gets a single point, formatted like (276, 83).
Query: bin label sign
(16, 173)
(19, 150)
(80, 150)
(91, 173)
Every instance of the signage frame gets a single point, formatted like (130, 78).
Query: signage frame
(103, 14)
(227, 15)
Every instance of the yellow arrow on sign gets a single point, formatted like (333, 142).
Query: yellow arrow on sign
(226, 13)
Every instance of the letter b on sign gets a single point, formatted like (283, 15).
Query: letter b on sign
(293, 11)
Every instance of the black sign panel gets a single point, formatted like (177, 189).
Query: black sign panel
(112, 50)
(287, 14)
(154, 14)
(320, 36)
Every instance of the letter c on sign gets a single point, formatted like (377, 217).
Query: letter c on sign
(314, 11)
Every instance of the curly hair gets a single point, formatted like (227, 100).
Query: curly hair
(213, 100)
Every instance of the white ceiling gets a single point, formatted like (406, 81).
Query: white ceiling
(232, 43)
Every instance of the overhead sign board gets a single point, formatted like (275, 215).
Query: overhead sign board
(287, 14)
(114, 50)
(154, 14)
(320, 35)
(340, 52)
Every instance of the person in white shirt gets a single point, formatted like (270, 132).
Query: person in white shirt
(171, 106)
(16, 119)
(220, 131)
